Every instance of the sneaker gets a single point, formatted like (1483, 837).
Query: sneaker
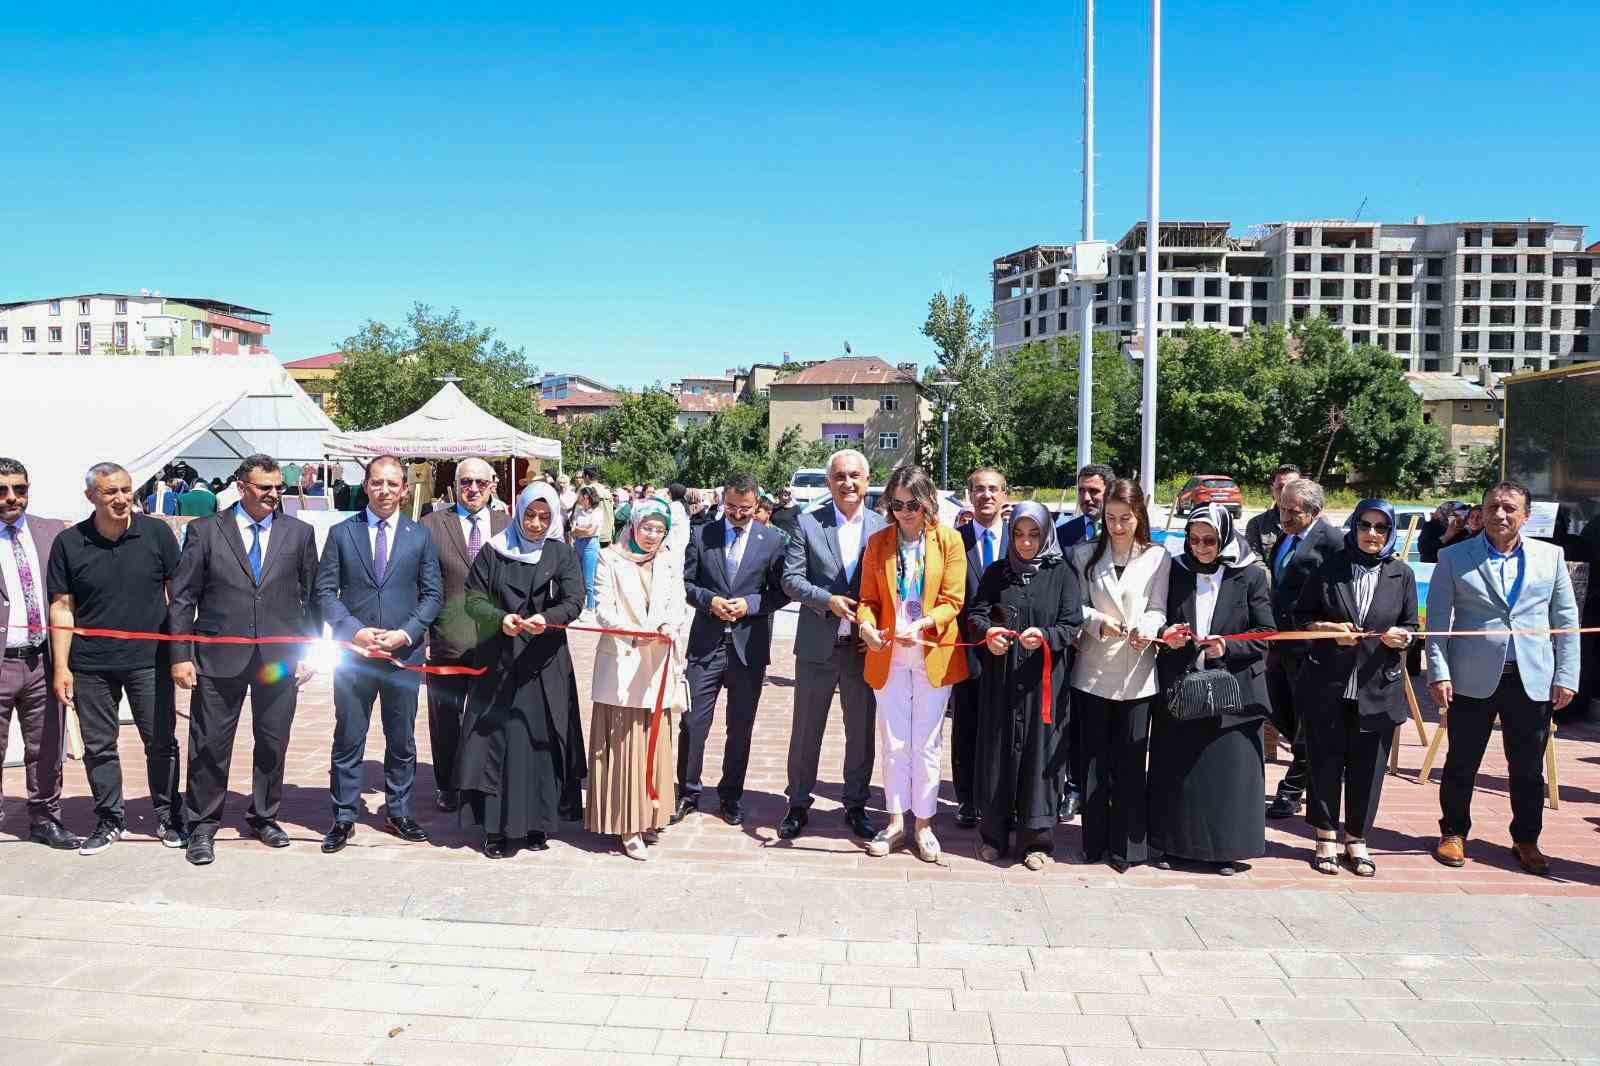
(927, 845)
(886, 841)
(105, 834)
(170, 836)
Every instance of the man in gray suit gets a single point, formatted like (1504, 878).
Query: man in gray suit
(25, 661)
(821, 573)
(1499, 581)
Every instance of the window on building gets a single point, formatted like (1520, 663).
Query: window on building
(1402, 293)
(1043, 326)
(1258, 315)
(1182, 312)
(888, 442)
(844, 440)
(1580, 319)
(1580, 345)
(1433, 293)
(1044, 301)
(198, 351)
(1383, 341)
(1430, 317)
(1236, 316)
(1402, 342)
(1027, 306)
(1582, 294)
(83, 307)
(85, 336)
(1502, 316)
(29, 334)
(1536, 238)
(1334, 314)
(55, 334)
(198, 330)
(1533, 342)
(227, 335)
(1555, 319)
(119, 334)
(1235, 290)
(55, 307)
(1535, 264)
(1302, 238)
(5, 334)
(1469, 316)
(1403, 267)
(1430, 342)
(1360, 336)
(1533, 316)
(1126, 313)
(1383, 316)
(1473, 238)
(1469, 342)
(1061, 322)
(1471, 264)
(1213, 287)
(1361, 290)
(1363, 264)
(1299, 312)
(1501, 342)
(1260, 290)
(889, 402)
(844, 403)
(1332, 264)
(1125, 290)
(122, 307)
(1182, 287)
(1302, 263)
(1502, 290)
(1435, 267)
(1361, 315)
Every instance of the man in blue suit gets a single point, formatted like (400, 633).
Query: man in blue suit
(986, 538)
(1093, 480)
(378, 587)
(1499, 581)
(733, 573)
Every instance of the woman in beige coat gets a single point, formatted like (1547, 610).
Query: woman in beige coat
(639, 587)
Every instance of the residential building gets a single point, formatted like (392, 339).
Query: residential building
(1468, 408)
(564, 386)
(1441, 297)
(857, 401)
(694, 408)
(727, 383)
(315, 375)
(564, 397)
(133, 323)
(758, 380)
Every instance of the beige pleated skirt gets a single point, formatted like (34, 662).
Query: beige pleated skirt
(619, 748)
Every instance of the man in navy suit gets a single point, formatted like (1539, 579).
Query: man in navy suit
(378, 587)
(986, 537)
(733, 572)
(1093, 480)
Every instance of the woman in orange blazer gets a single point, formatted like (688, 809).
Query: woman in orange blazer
(913, 581)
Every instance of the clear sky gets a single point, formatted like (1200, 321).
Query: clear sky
(653, 190)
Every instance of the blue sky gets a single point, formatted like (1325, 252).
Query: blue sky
(654, 190)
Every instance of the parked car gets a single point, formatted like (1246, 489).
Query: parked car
(1207, 489)
(808, 485)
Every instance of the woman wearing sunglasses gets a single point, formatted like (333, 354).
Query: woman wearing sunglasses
(1205, 772)
(1352, 686)
(913, 582)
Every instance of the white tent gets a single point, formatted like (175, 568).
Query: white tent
(145, 411)
(449, 426)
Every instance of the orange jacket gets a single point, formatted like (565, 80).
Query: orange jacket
(944, 588)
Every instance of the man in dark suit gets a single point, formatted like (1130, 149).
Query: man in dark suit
(378, 588)
(733, 572)
(986, 538)
(1093, 480)
(1306, 542)
(25, 662)
(245, 572)
(822, 573)
(459, 532)
(1263, 531)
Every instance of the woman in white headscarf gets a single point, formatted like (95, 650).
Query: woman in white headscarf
(1205, 773)
(639, 587)
(516, 733)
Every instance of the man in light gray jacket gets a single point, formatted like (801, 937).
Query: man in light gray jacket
(1498, 581)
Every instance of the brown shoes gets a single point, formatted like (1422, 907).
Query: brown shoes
(1452, 851)
(1531, 859)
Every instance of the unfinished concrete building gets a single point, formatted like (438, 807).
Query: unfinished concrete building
(1448, 296)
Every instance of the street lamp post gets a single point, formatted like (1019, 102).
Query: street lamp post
(945, 386)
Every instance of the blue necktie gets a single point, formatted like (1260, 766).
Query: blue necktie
(988, 547)
(1290, 546)
(255, 551)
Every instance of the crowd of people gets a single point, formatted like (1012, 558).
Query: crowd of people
(1087, 670)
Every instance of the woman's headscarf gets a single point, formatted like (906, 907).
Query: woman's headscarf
(512, 542)
(1352, 545)
(1233, 551)
(643, 510)
(1049, 546)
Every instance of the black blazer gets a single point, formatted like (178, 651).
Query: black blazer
(1321, 542)
(969, 538)
(759, 582)
(1330, 596)
(213, 593)
(1242, 606)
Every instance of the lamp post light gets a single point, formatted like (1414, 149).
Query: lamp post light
(944, 385)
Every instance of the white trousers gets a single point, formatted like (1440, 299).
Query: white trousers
(911, 734)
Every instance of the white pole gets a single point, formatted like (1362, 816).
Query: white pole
(1086, 292)
(1152, 271)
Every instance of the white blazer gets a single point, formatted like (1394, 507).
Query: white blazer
(1137, 601)
(627, 672)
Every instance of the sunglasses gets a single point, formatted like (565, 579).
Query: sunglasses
(896, 506)
(1381, 528)
(474, 482)
(1204, 542)
(13, 490)
(264, 489)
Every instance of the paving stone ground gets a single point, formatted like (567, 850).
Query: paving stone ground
(731, 947)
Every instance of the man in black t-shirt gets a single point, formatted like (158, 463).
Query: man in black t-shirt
(110, 571)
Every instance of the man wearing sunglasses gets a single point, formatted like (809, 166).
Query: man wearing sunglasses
(458, 533)
(248, 572)
(25, 656)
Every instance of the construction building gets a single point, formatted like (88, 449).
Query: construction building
(1506, 296)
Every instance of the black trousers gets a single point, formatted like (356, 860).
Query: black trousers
(214, 709)
(964, 711)
(1345, 761)
(97, 696)
(1524, 732)
(1116, 746)
(1281, 671)
(707, 677)
(447, 700)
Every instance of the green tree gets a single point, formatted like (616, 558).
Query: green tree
(1040, 381)
(644, 436)
(1483, 466)
(733, 438)
(390, 371)
(980, 423)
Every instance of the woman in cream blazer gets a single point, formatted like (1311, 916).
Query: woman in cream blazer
(1124, 578)
(638, 587)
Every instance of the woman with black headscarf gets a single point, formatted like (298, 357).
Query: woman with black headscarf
(1351, 688)
(1021, 762)
(1206, 772)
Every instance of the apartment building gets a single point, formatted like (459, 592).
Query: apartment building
(1507, 296)
(1466, 408)
(144, 323)
(315, 374)
(856, 402)
(565, 396)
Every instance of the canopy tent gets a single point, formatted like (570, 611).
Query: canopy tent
(449, 426)
(145, 412)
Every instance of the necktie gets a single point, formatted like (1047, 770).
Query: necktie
(988, 547)
(475, 540)
(30, 591)
(380, 550)
(255, 551)
(735, 551)
(1289, 548)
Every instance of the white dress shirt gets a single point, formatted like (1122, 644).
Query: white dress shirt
(1206, 587)
(852, 532)
(243, 520)
(17, 634)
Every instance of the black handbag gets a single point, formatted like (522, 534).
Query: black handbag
(1204, 694)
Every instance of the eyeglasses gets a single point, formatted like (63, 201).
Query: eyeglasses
(1204, 542)
(474, 482)
(13, 490)
(729, 508)
(896, 506)
(1380, 528)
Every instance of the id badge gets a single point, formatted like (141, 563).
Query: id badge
(914, 610)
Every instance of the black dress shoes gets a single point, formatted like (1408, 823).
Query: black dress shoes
(1071, 804)
(793, 824)
(1284, 806)
(686, 805)
(856, 818)
(447, 799)
(200, 851)
(270, 833)
(406, 829)
(537, 840)
(732, 812)
(495, 848)
(967, 816)
(52, 834)
(338, 837)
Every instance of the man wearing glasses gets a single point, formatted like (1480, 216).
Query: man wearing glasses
(248, 572)
(458, 533)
